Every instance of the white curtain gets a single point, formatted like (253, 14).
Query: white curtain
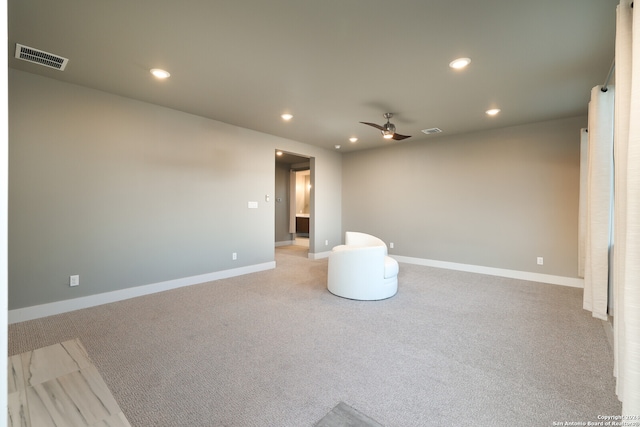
(599, 202)
(582, 208)
(627, 210)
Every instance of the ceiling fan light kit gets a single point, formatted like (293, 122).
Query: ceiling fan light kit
(388, 130)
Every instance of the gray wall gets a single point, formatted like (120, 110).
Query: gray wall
(326, 205)
(497, 198)
(126, 193)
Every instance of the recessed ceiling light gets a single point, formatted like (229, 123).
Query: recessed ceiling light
(286, 116)
(493, 111)
(353, 139)
(337, 146)
(459, 63)
(161, 74)
(278, 153)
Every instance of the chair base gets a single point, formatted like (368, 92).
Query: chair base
(363, 299)
(386, 291)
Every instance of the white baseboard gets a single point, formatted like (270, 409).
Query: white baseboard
(513, 274)
(319, 255)
(58, 307)
(285, 243)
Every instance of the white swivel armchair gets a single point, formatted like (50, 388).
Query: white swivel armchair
(361, 269)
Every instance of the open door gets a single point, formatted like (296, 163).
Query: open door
(293, 207)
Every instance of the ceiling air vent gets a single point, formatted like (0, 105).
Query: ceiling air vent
(40, 57)
(431, 131)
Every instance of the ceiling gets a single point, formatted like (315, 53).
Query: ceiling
(292, 159)
(331, 63)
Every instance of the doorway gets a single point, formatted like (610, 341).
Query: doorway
(293, 200)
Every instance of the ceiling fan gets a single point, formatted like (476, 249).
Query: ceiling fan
(388, 129)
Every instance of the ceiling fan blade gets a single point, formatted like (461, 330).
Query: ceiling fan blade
(373, 124)
(399, 137)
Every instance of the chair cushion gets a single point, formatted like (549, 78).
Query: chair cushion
(391, 267)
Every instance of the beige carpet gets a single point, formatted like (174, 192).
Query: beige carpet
(275, 348)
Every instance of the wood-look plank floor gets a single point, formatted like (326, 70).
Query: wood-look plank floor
(58, 385)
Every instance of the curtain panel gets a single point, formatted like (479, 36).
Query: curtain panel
(621, 142)
(599, 202)
(582, 204)
(626, 265)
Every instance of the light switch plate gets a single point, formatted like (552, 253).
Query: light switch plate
(252, 205)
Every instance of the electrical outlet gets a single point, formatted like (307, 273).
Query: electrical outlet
(540, 260)
(74, 280)
(234, 256)
(326, 243)
(391, 245)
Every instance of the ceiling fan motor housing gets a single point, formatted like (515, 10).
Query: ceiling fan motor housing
(388, 129)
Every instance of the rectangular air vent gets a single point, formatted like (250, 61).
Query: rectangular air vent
(431, 131)
(40, 57)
